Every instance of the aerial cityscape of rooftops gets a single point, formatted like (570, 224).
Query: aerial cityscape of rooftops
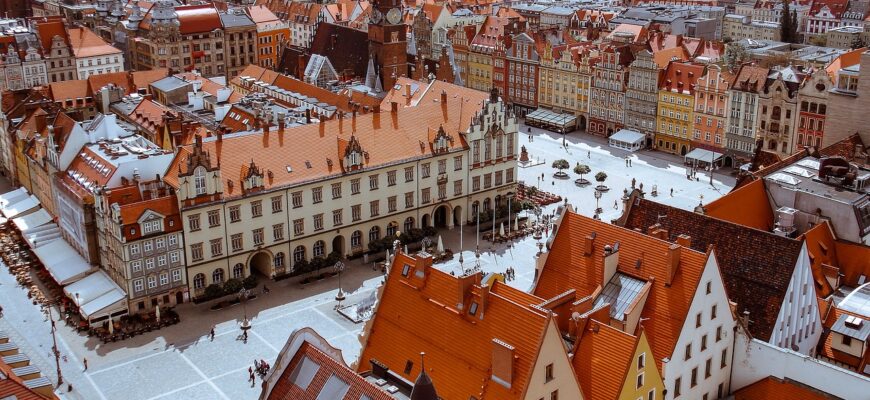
(434, 199)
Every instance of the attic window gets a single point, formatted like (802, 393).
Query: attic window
(405, 270)
(473, 309)
(289, 169)
(409, 365)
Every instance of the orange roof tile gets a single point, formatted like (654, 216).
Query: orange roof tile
(681, 77)
(821, 246)
(48, 30)
(459, 352)
(602, 359)
(261, 13)
(567, 268)
(141, 79)
(385, 136)
(198, 19)
(665, 56)
(772, 388)
(826, 350)
(845, 60)
(86, 43)
(149, 115)
(12, 386)
(119, 79)
(747, 206)
(68, 90)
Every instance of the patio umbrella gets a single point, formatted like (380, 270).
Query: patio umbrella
(111, 325)
(406, 249)
(517, 224)
(501, 229)
(388, 255)
(440, 248)
(157, 313)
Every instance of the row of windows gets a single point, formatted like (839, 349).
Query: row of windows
(160, 261)
(148, 245)
(152, 280)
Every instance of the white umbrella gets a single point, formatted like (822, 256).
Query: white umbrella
(406, 249)
(111, 325)
(440, 248)
(388, 255)
(157, 313)
(517, 224)
(501, 229)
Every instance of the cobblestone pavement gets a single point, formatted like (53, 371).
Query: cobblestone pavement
(180, 362)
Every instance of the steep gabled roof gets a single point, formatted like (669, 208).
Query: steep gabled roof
(641, 256)
(602, 360)
(747, 206)
(756, 266)
(419, 313)
(773, 388)
(86, 43)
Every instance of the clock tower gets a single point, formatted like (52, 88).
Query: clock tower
(388, 41)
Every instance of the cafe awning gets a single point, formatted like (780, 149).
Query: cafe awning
(548, 118)
(12, 197)
(21, 207)
(97, 295)
(62, 261)
(703, 155)
(628, 136)
(32, 221)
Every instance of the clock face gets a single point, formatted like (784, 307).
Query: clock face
(394, 16)
(376, 16)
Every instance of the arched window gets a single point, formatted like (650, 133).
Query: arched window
(199, 180)
(487, 204)
(409, 224)
(298, 254)
(356, 239)
(199, 281)
(238, 270)
(775, 114)
(218, 276)
(391, 228)
(374, 233)
(279, 260)
(318, 248)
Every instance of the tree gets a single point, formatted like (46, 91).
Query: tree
(858, 43)
(582, 169)
(735, 55)
(788, 24)
(601, 177)
(560, 165)
(531, 191)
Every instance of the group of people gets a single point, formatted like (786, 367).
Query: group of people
(261, 368)
(510, 274)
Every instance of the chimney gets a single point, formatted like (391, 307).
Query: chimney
(502, 362)
(281, 118)
(394, 107)
(588, 242)
(673, 262)
(136, 174)
(265, 125)
(408, 91)
(684, 240)
(220, 134)
(376, 109)
(657, 231)
(444, 97)
(307, 115)
(611, 260)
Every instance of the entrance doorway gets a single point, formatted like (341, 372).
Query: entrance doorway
(338, 245)
(440, 216)
(262, 263)
(179, 297)
(683, 150)
(457, 216)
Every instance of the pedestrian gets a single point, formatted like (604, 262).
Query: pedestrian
(85, 362)
(245, 336)
(211, 333)
(672, 192)
(265, 289)
(69, 387)
(629, 162)
(588, 154)
(250, 374)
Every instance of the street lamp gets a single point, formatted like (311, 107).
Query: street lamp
(246, 323)
(54, 347)
(597, 207)
(426, 242)
(338, 268)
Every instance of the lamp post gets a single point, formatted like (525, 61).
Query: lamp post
(597, 207)
(246, 323)
(54, 347)
(338, 268)
(426, 242)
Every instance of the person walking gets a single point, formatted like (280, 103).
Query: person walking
(85, 362)
(245, 336)
(251, 375)
(211, 333)
(589, 154)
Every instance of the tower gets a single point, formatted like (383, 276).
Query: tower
(388, 40)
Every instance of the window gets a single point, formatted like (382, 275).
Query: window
(196, 252)
(198, 281)
(151, 226)
(297, 199)
(703, 342)
(677, 386)
(708, 366)
(457, 163)
(318, 222)
(409, 174)
(174, 257)
(318, 248)
(651, 395)
(193, 222)
(238, 270)
(709, 287)
(641, 361)
(639, 381)
(217, 247)
(354, 186)
(161, 260)
(173, 240)
(688, 351)
(235, 214)
(136, 265)
(317, 195)
(336, 217)
(160, 243)
(199, 181)
(258, 236)
(236, 242)
(279, 260)
(214, 219)
(698, 320)
(409, 199)
(457, 187)
(373, 208)
(278, 232)
(164, 278)
(152, 282)
(391, 204)
(442, 166)
(217, 276)
(276, 204)
(373, 182)
(356, 239)
(148, 246)
(718, 334)
(724, 361)
(425, 195)
(391, 178)
(257, 208)
(176, 275)
(355, 213)
(713, 312)
(336, 190)
(549, 373)
(554, 395)
(298, 254)
(475, 183)
(298, 226)
(694, 381)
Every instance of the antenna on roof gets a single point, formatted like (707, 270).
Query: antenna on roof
(660, 217)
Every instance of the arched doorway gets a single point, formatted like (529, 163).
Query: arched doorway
(392, 227)
(439, 217)
(487, 204)
(179, 297)
(609, 132)
(262, 263)
(426, 222)
(338, 245)
(582, 122)
(457, 216)
(729, 162)
(683, 150)
(409, 224)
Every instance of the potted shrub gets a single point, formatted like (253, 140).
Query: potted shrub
(601, 177)
(581, 169)
(560, 165)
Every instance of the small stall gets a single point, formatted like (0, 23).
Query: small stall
(702, 157)
(627, 140)
(546, 119)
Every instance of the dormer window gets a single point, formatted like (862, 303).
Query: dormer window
(473, 309)
(199, 181)
(354, 159)
(152, 226)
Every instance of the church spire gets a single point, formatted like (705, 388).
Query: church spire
(424, 389)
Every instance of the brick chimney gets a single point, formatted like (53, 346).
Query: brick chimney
(265, 124)
(684, 240)
(281, 118)
(673, 262)
(588, 243)
(408, 91)
(658, 232)
(394, 107)
(611, 260)
(444, 97)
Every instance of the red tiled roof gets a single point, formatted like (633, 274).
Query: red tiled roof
(386, 137)
(141, 79)
(602, 360)
(837, 7)
(772, 388)
(756, 277)
(845, 60)
(119, 79)
(747, 206)
(681, 77)
(48, 30)
(198, 19)
(750, 78)
(68, 90)
(826, 350)
(432, 11)
(261, 13)
(12, 386)
(664, 57)
(568, 268)
(149, 116)
(459, 352)
(86, 43)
